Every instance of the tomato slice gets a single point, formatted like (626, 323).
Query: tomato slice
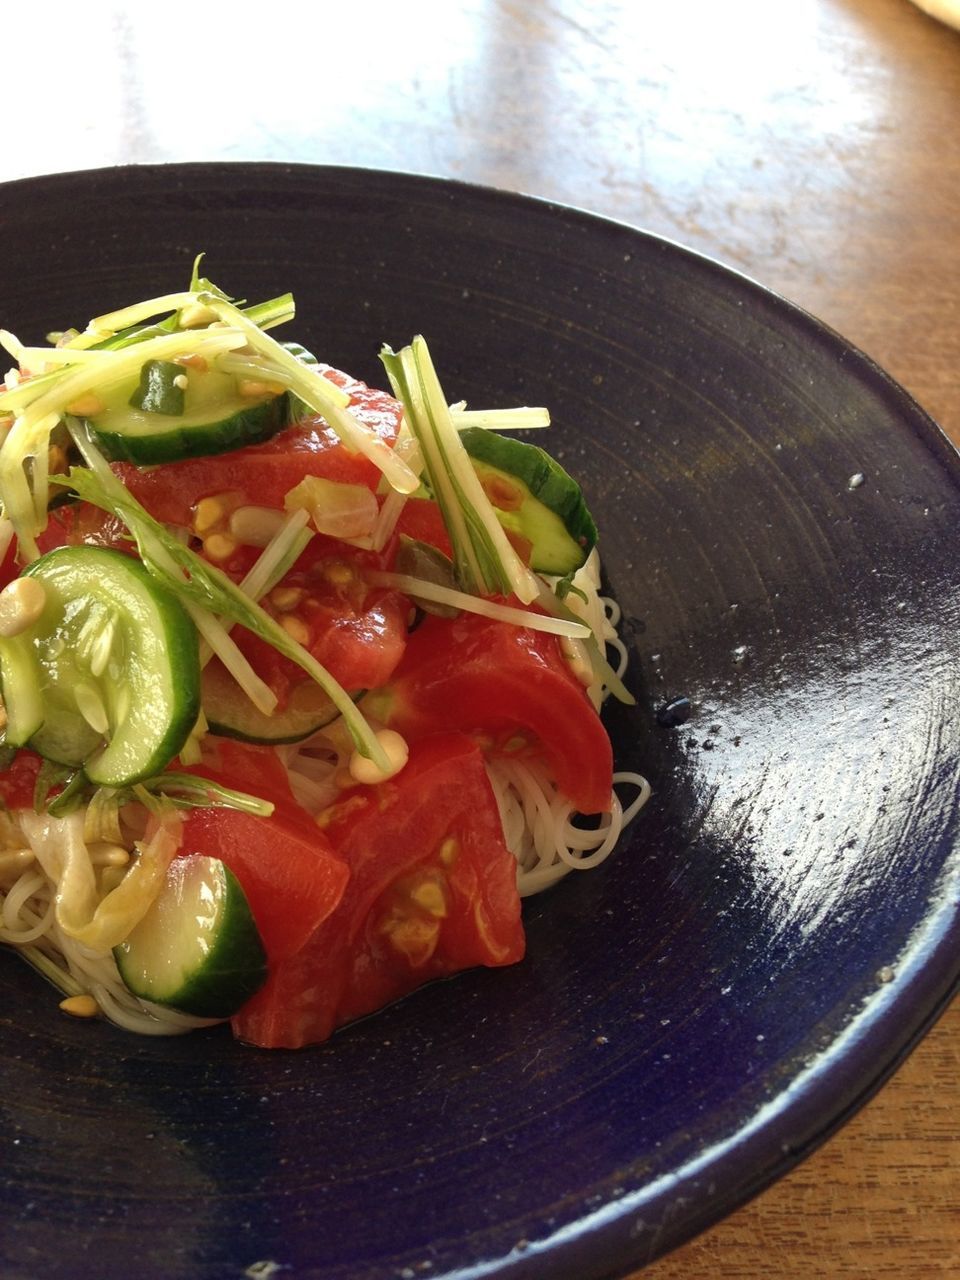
(263, 474)
(356, 631)
(432, 891)
(19, 780)
(509, 683)
(421, 520)
(81, 524)
(248, 767)
(286, 866)
(292, 878)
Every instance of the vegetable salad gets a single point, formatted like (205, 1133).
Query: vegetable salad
(301, 678)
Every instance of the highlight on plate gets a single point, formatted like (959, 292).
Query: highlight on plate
(301, 679)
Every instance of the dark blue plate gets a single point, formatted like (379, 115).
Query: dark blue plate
(779, 521)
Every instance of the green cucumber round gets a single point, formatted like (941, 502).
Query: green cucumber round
(546, 504)
(231, 714)
(215, 418)
(111, 663)
(198, 949)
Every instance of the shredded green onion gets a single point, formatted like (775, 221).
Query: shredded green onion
(279, 555)
(519, 419)
(484, 561)
(126, 317)
(217, 640)
(31, 357)
(602, 670)
(439, 594)
(277, 558)
(192, 791)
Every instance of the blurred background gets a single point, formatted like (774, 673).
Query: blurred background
(811, 144)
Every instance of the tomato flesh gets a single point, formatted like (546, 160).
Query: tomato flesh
(19, 780)
(356, 631)
(421, 520)
(286, 866)
(432, 891)
(81, 524)
(510, 683)
(265, 473)
(292, 878)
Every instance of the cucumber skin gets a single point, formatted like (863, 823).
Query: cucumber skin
(543, 476)
(180, 644)
(251, 425)
(231, 714)
(233, 970)
(157, 388)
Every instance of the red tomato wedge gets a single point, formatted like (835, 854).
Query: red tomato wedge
(432, 891)
(421, 520)
(286, 866)
(292, 878)
(478, 675)
(264, 473)
(81, 524)
(356, 631)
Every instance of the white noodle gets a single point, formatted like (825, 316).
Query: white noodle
(27, 909)
(538, 822)
(28, 916)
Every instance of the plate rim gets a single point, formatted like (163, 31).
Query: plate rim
(830, 1091)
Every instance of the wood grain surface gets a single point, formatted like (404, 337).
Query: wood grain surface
(814, 145)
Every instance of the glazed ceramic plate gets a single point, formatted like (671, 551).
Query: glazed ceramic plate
(779, 525)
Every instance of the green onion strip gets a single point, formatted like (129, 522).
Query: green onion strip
(484, 560)
(571, 626)
(521, 418)
(112, 322)
(277, 558)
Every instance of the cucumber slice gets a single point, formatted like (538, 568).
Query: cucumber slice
(535, 498)
(113, 659)
(198, 948)
(231, 714)
(20, 678)
(214, 419)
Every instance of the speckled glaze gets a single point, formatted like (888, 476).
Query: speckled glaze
(779, 524)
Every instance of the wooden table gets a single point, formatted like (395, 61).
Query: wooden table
(814, 144)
